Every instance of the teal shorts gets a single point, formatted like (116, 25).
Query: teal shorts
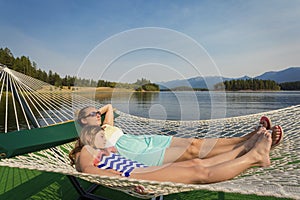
(146, 149)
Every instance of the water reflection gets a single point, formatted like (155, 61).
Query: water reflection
(46, 109)
(11, 120)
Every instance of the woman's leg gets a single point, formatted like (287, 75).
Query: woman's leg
(209, 147)
(233, 154)
(189, 148)
(258, 156)
(173, 154)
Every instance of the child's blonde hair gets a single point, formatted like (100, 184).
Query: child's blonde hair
(88, 133)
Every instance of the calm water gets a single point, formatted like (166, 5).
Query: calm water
(200, 105)
(188, 105)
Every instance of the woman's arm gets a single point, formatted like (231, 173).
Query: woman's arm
(109, 114)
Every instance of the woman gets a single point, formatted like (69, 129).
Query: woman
(253, 152)
(156, 150)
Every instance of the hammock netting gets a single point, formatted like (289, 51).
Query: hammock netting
(50, 105)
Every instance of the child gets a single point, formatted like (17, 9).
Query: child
(106, 157)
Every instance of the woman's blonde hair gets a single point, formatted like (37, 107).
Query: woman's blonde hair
(81, 114)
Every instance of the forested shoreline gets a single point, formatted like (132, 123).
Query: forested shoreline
(24, 65)
(248, 84)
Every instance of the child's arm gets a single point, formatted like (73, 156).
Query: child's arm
(87, 166)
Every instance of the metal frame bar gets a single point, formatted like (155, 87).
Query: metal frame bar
(85, 194)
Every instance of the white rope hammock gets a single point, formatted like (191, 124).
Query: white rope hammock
(44, 103)
(281, 179)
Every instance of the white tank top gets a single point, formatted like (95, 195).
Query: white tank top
(112, 135)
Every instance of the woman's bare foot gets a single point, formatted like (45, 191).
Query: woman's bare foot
(260, 152)
(249, 144)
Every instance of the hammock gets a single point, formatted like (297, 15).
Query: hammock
(281, 179)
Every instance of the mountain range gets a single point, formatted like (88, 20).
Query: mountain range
(287, 75)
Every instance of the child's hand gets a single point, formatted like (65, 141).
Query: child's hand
(112, 149)
(114, 172)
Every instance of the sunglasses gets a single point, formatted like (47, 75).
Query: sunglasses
(93, 114)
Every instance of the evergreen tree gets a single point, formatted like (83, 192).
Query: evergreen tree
(6, 57)
(253, 84)
(290, 85)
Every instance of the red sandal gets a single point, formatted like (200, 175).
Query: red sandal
(267, 120)
(278, 141)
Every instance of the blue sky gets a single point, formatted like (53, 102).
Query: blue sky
(239, 37)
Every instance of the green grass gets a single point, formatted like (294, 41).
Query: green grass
(21, 184)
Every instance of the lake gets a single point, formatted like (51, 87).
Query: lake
(199, 105)
(185, 105)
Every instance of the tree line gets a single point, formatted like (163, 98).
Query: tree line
(290, 85)
(256, 84)
(24, 65)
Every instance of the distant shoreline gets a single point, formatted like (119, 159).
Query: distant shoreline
(101, 89)
(109, 89)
